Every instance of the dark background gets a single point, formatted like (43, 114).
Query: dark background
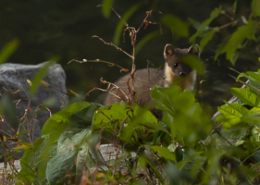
(62, 30)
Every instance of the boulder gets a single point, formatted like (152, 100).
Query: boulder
(23, 115)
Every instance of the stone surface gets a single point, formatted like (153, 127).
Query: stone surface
(17, 117)
(9, 171)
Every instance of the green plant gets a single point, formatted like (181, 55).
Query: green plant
(185, 147)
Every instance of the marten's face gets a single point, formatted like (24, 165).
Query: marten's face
(173, 57)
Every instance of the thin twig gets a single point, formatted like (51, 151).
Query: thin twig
(148, 14)
(3, 120)
(228, 24)
(45, 84)
(107, 90)
(119, 16)
(112, 44)
(110, 64)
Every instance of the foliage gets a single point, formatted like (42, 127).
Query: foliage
(39, 76)
(179, 150)
(184, 147)
(8, 49)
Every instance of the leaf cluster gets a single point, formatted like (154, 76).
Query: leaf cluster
(180, 149)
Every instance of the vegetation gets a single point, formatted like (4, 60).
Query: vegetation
(185, 147)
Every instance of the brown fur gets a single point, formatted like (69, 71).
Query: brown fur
(175, 72)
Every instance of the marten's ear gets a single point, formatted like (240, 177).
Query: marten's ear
(168, 51)
(194, 50)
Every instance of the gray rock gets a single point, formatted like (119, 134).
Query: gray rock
(19, 108)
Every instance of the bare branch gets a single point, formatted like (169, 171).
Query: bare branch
(148, 14)
(108, 88)
(110, 64)
(112, 44)
(119, 16)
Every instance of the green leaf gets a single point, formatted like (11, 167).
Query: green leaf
(121, 119)
(207, 38)
(235, 6)
(204, 25)
(194, 63)
(21, 147)
(253, 76)
(179, 118)
(8, 50)
(164, 152)
(256, 7)
(247, 96)
(154, 126)
(195, 24)
(67, 153)
(83, 118)
(146, 39)
(237, 38)
(232, 114)
(8, 110)
(172, 173)
(178, 26)
(108, 116)
(221, 46)
(45, 146)
(253, 117)
(106, 7)
(39, 76)
(188, 159)
(120, 26)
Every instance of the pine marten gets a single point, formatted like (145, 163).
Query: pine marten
(175, 72)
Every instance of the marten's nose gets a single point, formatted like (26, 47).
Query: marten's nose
(182, 74)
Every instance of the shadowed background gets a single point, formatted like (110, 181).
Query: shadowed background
(62, 30)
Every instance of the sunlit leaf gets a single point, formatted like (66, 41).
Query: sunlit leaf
(247, 96)
(232, 114)
(178, 26)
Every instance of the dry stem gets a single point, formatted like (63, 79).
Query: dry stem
(108, 88)
(111, 44)
(133, 36)
(110, 64)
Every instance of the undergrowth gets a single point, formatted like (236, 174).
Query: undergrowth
(185, 147)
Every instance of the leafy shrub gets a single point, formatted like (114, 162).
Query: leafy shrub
(179, 150)
(185, 147)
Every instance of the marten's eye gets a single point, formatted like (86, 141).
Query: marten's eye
(175, 64)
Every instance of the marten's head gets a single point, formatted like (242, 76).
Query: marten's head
(175, 64)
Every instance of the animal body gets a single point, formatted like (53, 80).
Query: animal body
(175, 71)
